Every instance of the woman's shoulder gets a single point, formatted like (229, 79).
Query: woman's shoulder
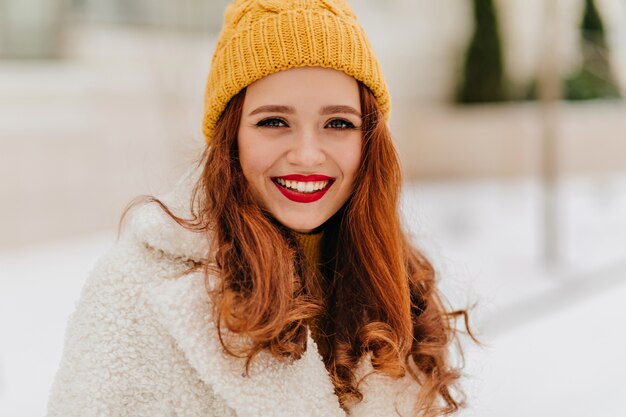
(119, 345)
(152, 250)
(120, 342)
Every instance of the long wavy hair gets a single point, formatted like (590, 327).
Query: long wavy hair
(374, 295)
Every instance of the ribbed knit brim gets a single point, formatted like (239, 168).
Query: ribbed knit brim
(261, 37)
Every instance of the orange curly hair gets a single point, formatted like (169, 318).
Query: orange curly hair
(376, 294)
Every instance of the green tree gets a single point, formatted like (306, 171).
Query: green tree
(483, 69)
(594, 78)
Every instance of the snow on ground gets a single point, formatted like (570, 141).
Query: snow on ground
(554, 336)
(39, 287)
(571, 363)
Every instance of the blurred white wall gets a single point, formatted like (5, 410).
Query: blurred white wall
(80, 137)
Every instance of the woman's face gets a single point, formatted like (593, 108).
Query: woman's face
(300, 143)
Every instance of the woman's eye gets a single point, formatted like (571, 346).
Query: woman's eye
(340, 124)
(272, 122)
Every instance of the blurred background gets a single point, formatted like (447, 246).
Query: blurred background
(508, 118)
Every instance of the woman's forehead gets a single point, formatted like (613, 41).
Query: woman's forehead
(303, 87)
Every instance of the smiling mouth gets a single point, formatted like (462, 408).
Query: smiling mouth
(303, 189)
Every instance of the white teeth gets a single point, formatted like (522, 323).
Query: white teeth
(301, 186)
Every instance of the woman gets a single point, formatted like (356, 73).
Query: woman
(275, 280)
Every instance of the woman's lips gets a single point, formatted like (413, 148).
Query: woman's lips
(306, 178)
(303, 188)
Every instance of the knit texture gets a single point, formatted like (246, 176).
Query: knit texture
(261, 37)
(311, 245)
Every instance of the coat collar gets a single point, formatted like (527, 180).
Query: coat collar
(150, 225)
(273, 387)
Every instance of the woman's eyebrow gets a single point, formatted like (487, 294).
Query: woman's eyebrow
(273, 108)
(339, 109)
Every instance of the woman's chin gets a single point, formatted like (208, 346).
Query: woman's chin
(300, 226)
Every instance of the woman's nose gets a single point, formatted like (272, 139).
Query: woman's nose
(306, 150)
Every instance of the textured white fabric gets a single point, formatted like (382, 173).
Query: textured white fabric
(142, 342)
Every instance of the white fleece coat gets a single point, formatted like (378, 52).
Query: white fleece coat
(142, 342)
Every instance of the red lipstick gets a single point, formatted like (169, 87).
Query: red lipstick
(300, 197)
(306, 178)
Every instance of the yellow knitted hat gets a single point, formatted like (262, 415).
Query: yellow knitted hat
(261, 37)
